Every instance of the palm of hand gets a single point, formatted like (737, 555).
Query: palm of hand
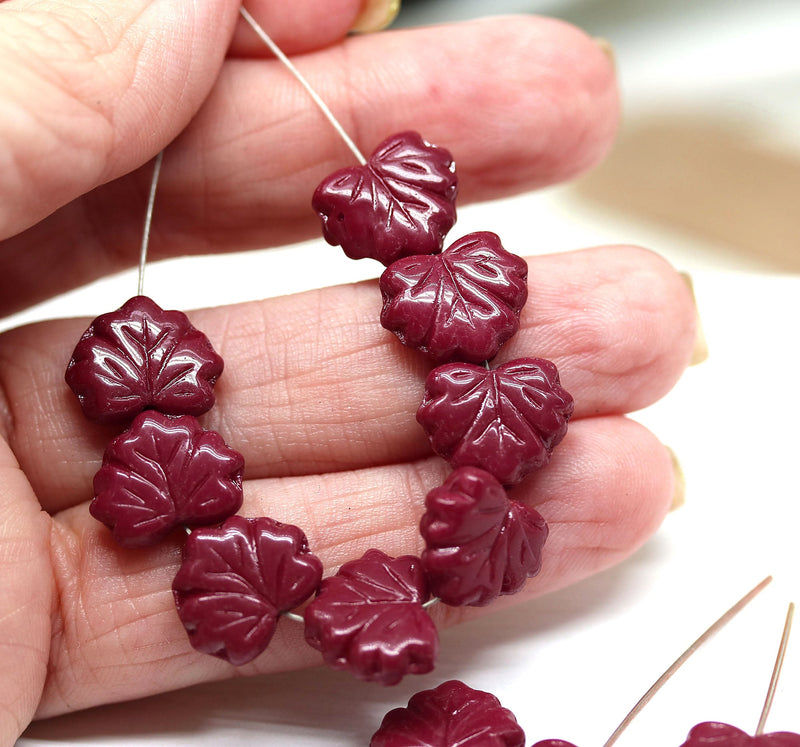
(317, 397)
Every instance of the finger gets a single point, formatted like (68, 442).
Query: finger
(89, 95)
(314, 384)
(605, 492)
(242, 175)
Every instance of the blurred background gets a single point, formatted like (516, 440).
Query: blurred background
(707, 167)
(705, 172)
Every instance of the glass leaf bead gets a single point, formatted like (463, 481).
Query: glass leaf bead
(506, 421)
(401, 202)
(462, 304)
(479, 543)
(451, 715)
(165, 472)
(369, 619)
(237, 579)
(141, 357)
(716, 734)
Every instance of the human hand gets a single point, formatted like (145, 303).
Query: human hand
(87, 100)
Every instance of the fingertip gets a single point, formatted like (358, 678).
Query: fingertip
(614, 469)
(630, 320)
(560, 86)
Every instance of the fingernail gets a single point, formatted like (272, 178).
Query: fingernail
(700, 349)
(608, 49)
(376, 15)
(678, 482)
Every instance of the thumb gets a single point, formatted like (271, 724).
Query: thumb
(92, 90)
(26, 595)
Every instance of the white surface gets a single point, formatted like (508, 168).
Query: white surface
(571, 665)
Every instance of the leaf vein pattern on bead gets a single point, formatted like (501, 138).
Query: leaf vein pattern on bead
(459, 293)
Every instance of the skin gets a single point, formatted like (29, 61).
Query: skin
(83, 622)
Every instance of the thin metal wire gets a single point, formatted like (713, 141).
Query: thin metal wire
(148, 221)
(301, 619)
(776, 670)
(676, 665)
(303, 82)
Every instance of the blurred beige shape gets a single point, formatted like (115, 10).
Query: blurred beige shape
(710, 178)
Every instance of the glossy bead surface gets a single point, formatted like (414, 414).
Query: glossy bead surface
(451, 715)
(479, 543)
(141, 357)
(369, 619)
(162, 473)
(237, 579)
(401, 202)
(553, 743)
(506, 420)
(462, 304)
(716, 734)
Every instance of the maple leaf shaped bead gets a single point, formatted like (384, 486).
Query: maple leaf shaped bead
(165, 472)
(401, 202)
(506, 420)
(237, 579)
(479, 543)
(141, 357)
(462, 304)
(369, 619)
(715, 734)
(451, 715)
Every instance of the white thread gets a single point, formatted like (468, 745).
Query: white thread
(678, 663)
(303, 82)
(776, 671)
(148, 220)
(299, 618)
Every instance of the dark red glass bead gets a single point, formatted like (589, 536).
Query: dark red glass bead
(162, 473)
(369, 619)
(141, 357)
(553, 743)
(237, 579)
(401, 202)
(506, 421)
(451, 715)
(462, 304)
(715, 734)
(479, 543)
